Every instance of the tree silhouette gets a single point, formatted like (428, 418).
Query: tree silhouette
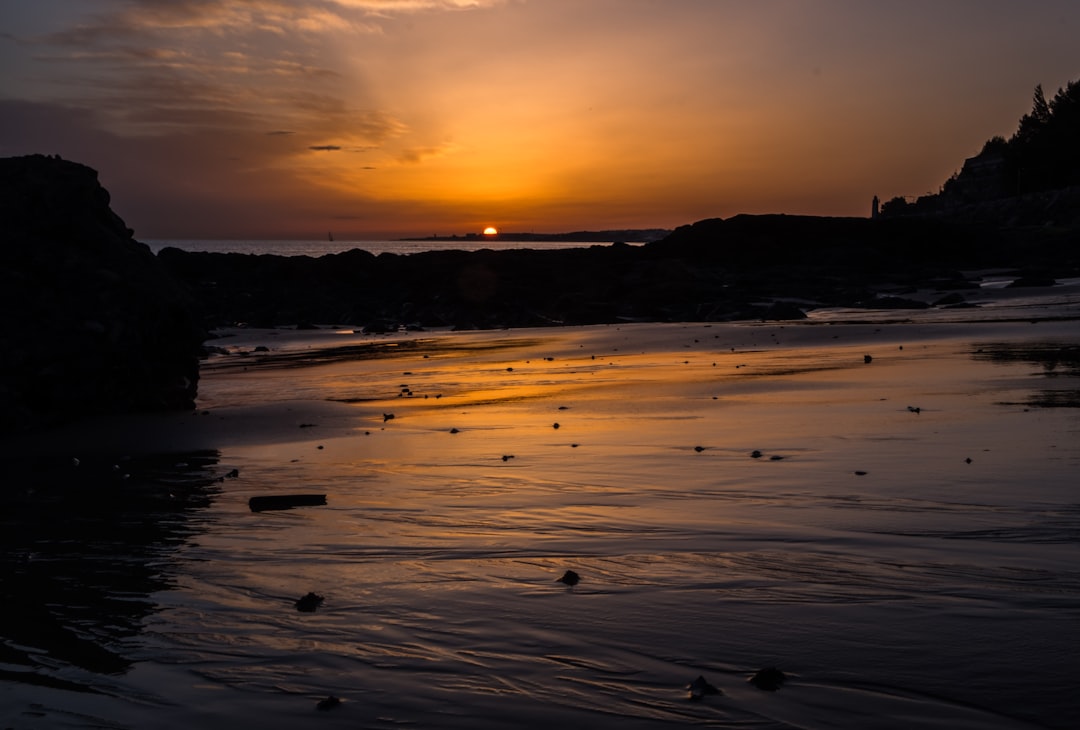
(1044, 151)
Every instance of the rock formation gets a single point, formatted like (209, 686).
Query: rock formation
(94, 323)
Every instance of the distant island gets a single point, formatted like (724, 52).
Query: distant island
(635, 235)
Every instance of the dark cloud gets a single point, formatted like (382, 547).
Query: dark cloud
(325, 147)
(182, 184)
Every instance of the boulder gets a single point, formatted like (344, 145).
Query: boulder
(94, 324)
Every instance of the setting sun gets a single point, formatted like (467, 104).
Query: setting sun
(491, 231)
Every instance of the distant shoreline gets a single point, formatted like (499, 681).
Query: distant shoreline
(637, 235)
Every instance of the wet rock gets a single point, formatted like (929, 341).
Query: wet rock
(1032, 281)
(329, 703)
(285, 501)
(950, 300)
(769, 679)
(894, 303)
(782, 311)
(570, 578)
(309, 603)
(700, 688)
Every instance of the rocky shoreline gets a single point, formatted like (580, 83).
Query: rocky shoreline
(104, 326)
(746, 267)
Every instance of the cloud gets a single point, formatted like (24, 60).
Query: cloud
(416, 155)
(325, 147)
(240, 17)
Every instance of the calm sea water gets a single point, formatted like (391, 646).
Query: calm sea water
(733, 497)
(321, 248)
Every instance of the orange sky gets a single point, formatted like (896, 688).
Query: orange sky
(386, 118)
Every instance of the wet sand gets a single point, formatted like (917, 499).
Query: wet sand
(898, 535)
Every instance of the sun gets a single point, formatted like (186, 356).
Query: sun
(491, 231)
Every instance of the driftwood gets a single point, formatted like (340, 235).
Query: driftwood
(285, 501)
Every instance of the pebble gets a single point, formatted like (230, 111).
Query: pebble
(570, 578)
(769, 679)
(328, 704)
(309, 603)
(700, 687)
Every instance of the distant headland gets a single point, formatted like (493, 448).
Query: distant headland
(1030, 179)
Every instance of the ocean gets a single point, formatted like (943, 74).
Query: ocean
(322, 248)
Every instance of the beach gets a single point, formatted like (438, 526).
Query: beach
(883, 505)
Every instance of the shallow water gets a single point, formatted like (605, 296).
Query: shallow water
(897, 583)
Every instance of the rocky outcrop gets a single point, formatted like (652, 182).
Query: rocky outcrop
(94, 324)
(713, 270)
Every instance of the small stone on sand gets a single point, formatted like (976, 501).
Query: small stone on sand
(309, 603)
(700, 687)
(328, 704)
(768, 679)
(570, 578)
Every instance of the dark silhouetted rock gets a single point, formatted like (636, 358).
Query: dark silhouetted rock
(781, 311)
(103, 328)
(328, 703)
(700, 688)
(309, 603)
(769, 679)
(285, 501)
(1031, 281)
(570, 578)
(950, 300)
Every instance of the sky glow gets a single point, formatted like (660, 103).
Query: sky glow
(386, 118)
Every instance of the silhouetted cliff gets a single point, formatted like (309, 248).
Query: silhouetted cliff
(95, 325)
